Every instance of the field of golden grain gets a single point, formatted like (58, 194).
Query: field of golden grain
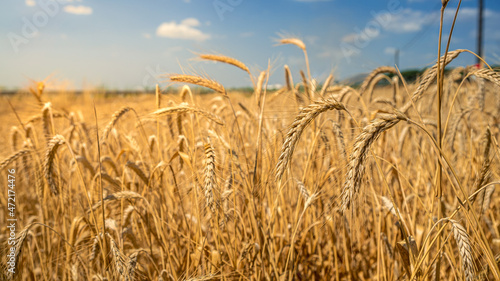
(314, 181)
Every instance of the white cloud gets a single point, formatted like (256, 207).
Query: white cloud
(390, 50)
(78, 10)
(30, 3)
(183, 30)
(407, 20)
(469, 13)
(190, 22)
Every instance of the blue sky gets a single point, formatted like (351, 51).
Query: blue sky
(128, 44)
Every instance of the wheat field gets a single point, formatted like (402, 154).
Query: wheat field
(314, 181)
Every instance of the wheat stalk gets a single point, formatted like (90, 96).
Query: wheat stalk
(210, 182)
(288, 78)
(303, 190)
(117, 256)
(361, 148)
(374, 82)
(95, 247)
(200, 81)
(13, 157)
(339, 136)
(184, 108)
(48, 165)
(305, 83)
(430, 76)
(107, 178)
(258, 88)
(134, 167)
(373, 74)
(464, 248)
(39, 117)
(18, 246)
(14, 136)
(293, 41)
(487, 74)
(85, 162)
(225, 59)
(185, 91)
(484, 175)
(114, 118)
(47, 119)
(109, 161)
(327, 83)
(305, 116)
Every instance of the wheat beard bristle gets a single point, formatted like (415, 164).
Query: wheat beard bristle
(306, 115)
(52, 147)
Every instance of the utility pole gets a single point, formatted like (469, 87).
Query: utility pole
(480, 32)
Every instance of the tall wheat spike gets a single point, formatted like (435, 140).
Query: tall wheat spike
(464, 248)
(258, 89)
(13, 157)
(430, 76)
(185, 108)
(361, 148)
(134, 167)
(117, 115)
(210, 183)
(47, 119)
(48, 165)
(225, 59)
(373, 74)
(487, 74)
(200, 81)
(305, 116)
(18, 246)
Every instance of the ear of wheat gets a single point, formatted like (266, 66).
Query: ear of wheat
(305, 116)
(430, 76)
(361, 148)
(373, 74)
(464, 248)
(225, 59)
(50, 155)
(210, 183)
(13, 158)
(200, 81)
(184, 108)
(117, 115)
